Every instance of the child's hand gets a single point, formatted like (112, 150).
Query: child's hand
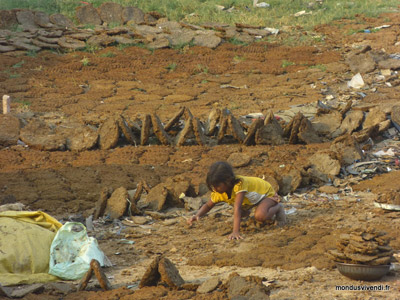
(235, 236)
(192, 219)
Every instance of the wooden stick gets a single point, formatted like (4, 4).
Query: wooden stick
(6, 104)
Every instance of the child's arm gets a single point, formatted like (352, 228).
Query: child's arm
(202, 211)
(237, 214)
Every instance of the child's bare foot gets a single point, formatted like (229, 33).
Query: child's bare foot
(280, 216)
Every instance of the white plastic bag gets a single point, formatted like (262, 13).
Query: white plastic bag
(71, 252)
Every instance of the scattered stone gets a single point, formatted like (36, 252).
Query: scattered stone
(391, 63)
(238, 160)
(111, 13)
(326, 163)
(351, 122)
(133, 14)
(61, 21)
(374, 117)
(157, 197)
(44, 45)
(328, 189)
(347, 149)
(159, 130)
(82, 138)
(159, 43)
(9, 130)
(117, 203)
(108, 134)
(289, 182)
(39, 136)
(145, 132)
(364, 134)
(169, 273)
(71, 44)
(324, 124)
(193, 203)
(361, 63)
(87, 14)
(181, 37)
(7, 48)
(209, 285)
(209, 40)
(8, 19)
(27, 289)
(250, 289)
(152, 276)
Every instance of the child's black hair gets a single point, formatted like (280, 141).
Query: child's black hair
(220, 172)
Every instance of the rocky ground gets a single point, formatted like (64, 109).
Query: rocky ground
(75, 135)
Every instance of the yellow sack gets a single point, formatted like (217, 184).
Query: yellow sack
(25, 242)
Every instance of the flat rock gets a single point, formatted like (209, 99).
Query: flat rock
(4, 49)
(374, 117)
(127, 132)
(111, 13)
(152, 276)
(289, 181)
(26, 18)
(87, 14)
(239, 160)
(80, 35)
(101, 204)
(117, 204)
(71, 44)
(82, 138)
(157, 197)
(351, 122)
(185, 132)
(123, 40)
(8, 19)
(27, 289)
(145, 30)
(324, 124)
(169, 273)
(395, 115)
(159, 131)
(39, 136)
(257, 32)
(9, 130)
(361, 63)
(307, 133)
(236, 129)
(391, 63)
(251, 133)
(24, 46)
(240, 288)
(209, 285)
(325, 163)
(244, 38)
(159, 43)
(347, 149)
(102, 40)
(133, 14)
(108, 134)
(212, 122)
(209, 40)
(199, 132)
(61, 21)
(145, 130)
(45, 45)
(269, 135)
(42, 19)
(169, 25)
(181, 37)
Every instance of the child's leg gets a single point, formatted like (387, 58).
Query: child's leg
(267, 208)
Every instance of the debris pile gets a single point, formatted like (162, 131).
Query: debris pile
(390, 197)
(363, 247)
(34, 30)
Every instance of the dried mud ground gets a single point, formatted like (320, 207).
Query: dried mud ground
(134, 81)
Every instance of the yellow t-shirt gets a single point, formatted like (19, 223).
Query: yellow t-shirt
(255, 189)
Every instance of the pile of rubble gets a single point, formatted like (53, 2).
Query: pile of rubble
(34, 30)
(390, 197)
(363, 247)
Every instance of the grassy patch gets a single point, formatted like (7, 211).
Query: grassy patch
(108, 54)
(319, 67)
(171, 67)
(287, 63)
(18, 64)
(85, 61)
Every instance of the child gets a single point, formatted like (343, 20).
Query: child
(243, 193)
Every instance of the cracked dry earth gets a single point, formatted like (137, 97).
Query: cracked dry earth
(135, 81)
